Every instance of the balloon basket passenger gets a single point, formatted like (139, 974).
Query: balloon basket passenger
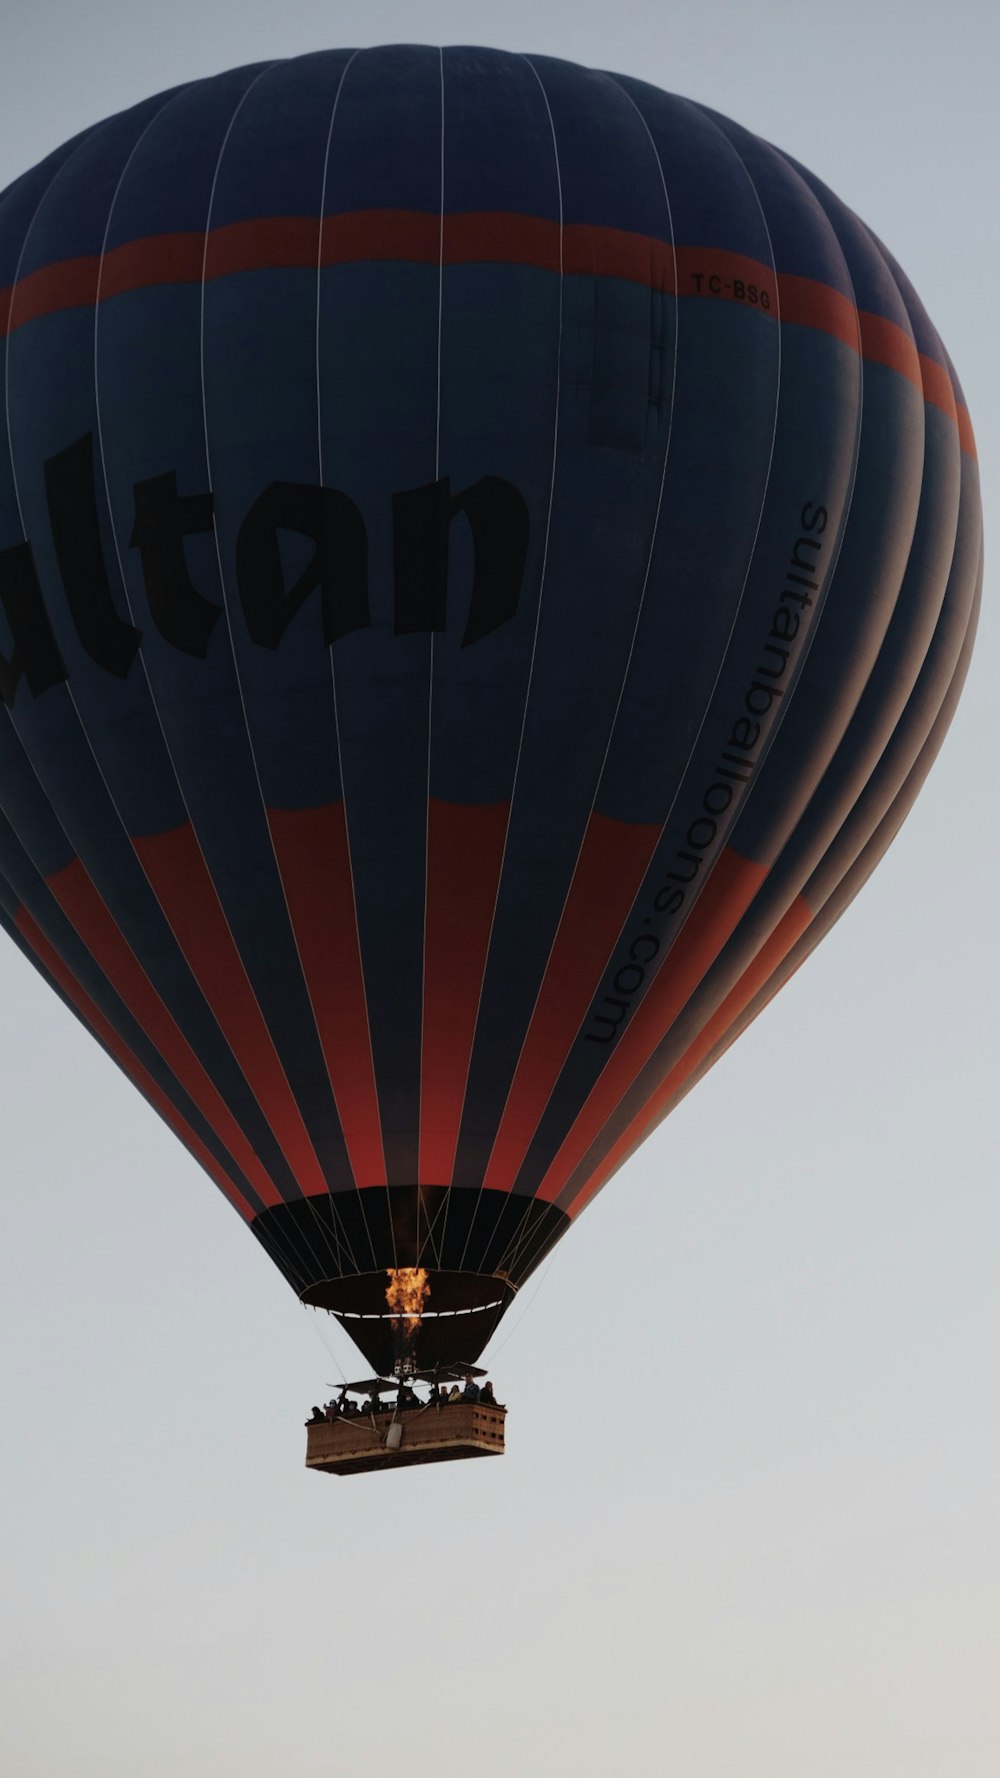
(413, 1417)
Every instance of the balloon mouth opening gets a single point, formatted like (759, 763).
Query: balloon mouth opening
(362, 1297)
(458, 1317)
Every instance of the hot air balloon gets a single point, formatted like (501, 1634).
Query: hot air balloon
(489, 552)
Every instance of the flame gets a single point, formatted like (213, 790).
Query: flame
(406, 1293)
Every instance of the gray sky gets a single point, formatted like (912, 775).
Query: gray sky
(747, 1524)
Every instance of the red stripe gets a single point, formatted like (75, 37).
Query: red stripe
(273, 241)
(157, 259)
(815, 305)
(464, 854)
(69, 284)
(785, 935)
(179, 876)
(884, 342)
(721, 276)
(311, 847)
(49, 957)
(90, 918)
(471, 237)
(723, 901)
(966, 436)
(612, 863)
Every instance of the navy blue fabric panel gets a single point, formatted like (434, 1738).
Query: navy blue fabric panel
(262, 412)
(723, 417)
(856, 875)
(605, 504)
(97, 739)
(925, 700)
(499, 372)
(262, 409)
(387, 137)
(870, 731)
(378, 364)
(20, 201)
(814, 460)
(802, 241)
(903, 651)
(72, 219)
(712, 200)
(51, 406)
(858, 610)
(924, 332)
(814, 464)
(955, 383)
(49, 731)
(170, 171)
(154, 411)
(22, 887)
(500, 342)
(26, 805)
(609, 177)
(497, 136)
(276, 147)
(726, 379)
(379, 375)
(875, 288)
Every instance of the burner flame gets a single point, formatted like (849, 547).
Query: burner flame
(406, 1293)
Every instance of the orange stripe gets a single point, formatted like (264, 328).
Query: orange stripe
(311, 847)
(464, 853)
(91, 919)
(785, 935)
(49, 957)
(810, 304)
(612, 863)
(69, 284)
(179, 876)
(885, 342)
(720, 906)
(471, 237)
(713, 272)
(157, 259)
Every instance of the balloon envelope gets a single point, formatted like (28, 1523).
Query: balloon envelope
(488, 553)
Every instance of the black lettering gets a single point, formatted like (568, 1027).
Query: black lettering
(694, 860)
(714, 284)
(697, 276)
(34, 653)
(702, 821)
(818, 520)
(770, 692)
(780, 655)
(629, 987)
(806, 564)
(801, 599)
(163, 518)
(603, 1018)
(645, 938)
(498, 519)
(717, 808)
(338, 566)
(745, 734)
(785, 624)
(76, 532)
(739, 288)
(667, 901)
